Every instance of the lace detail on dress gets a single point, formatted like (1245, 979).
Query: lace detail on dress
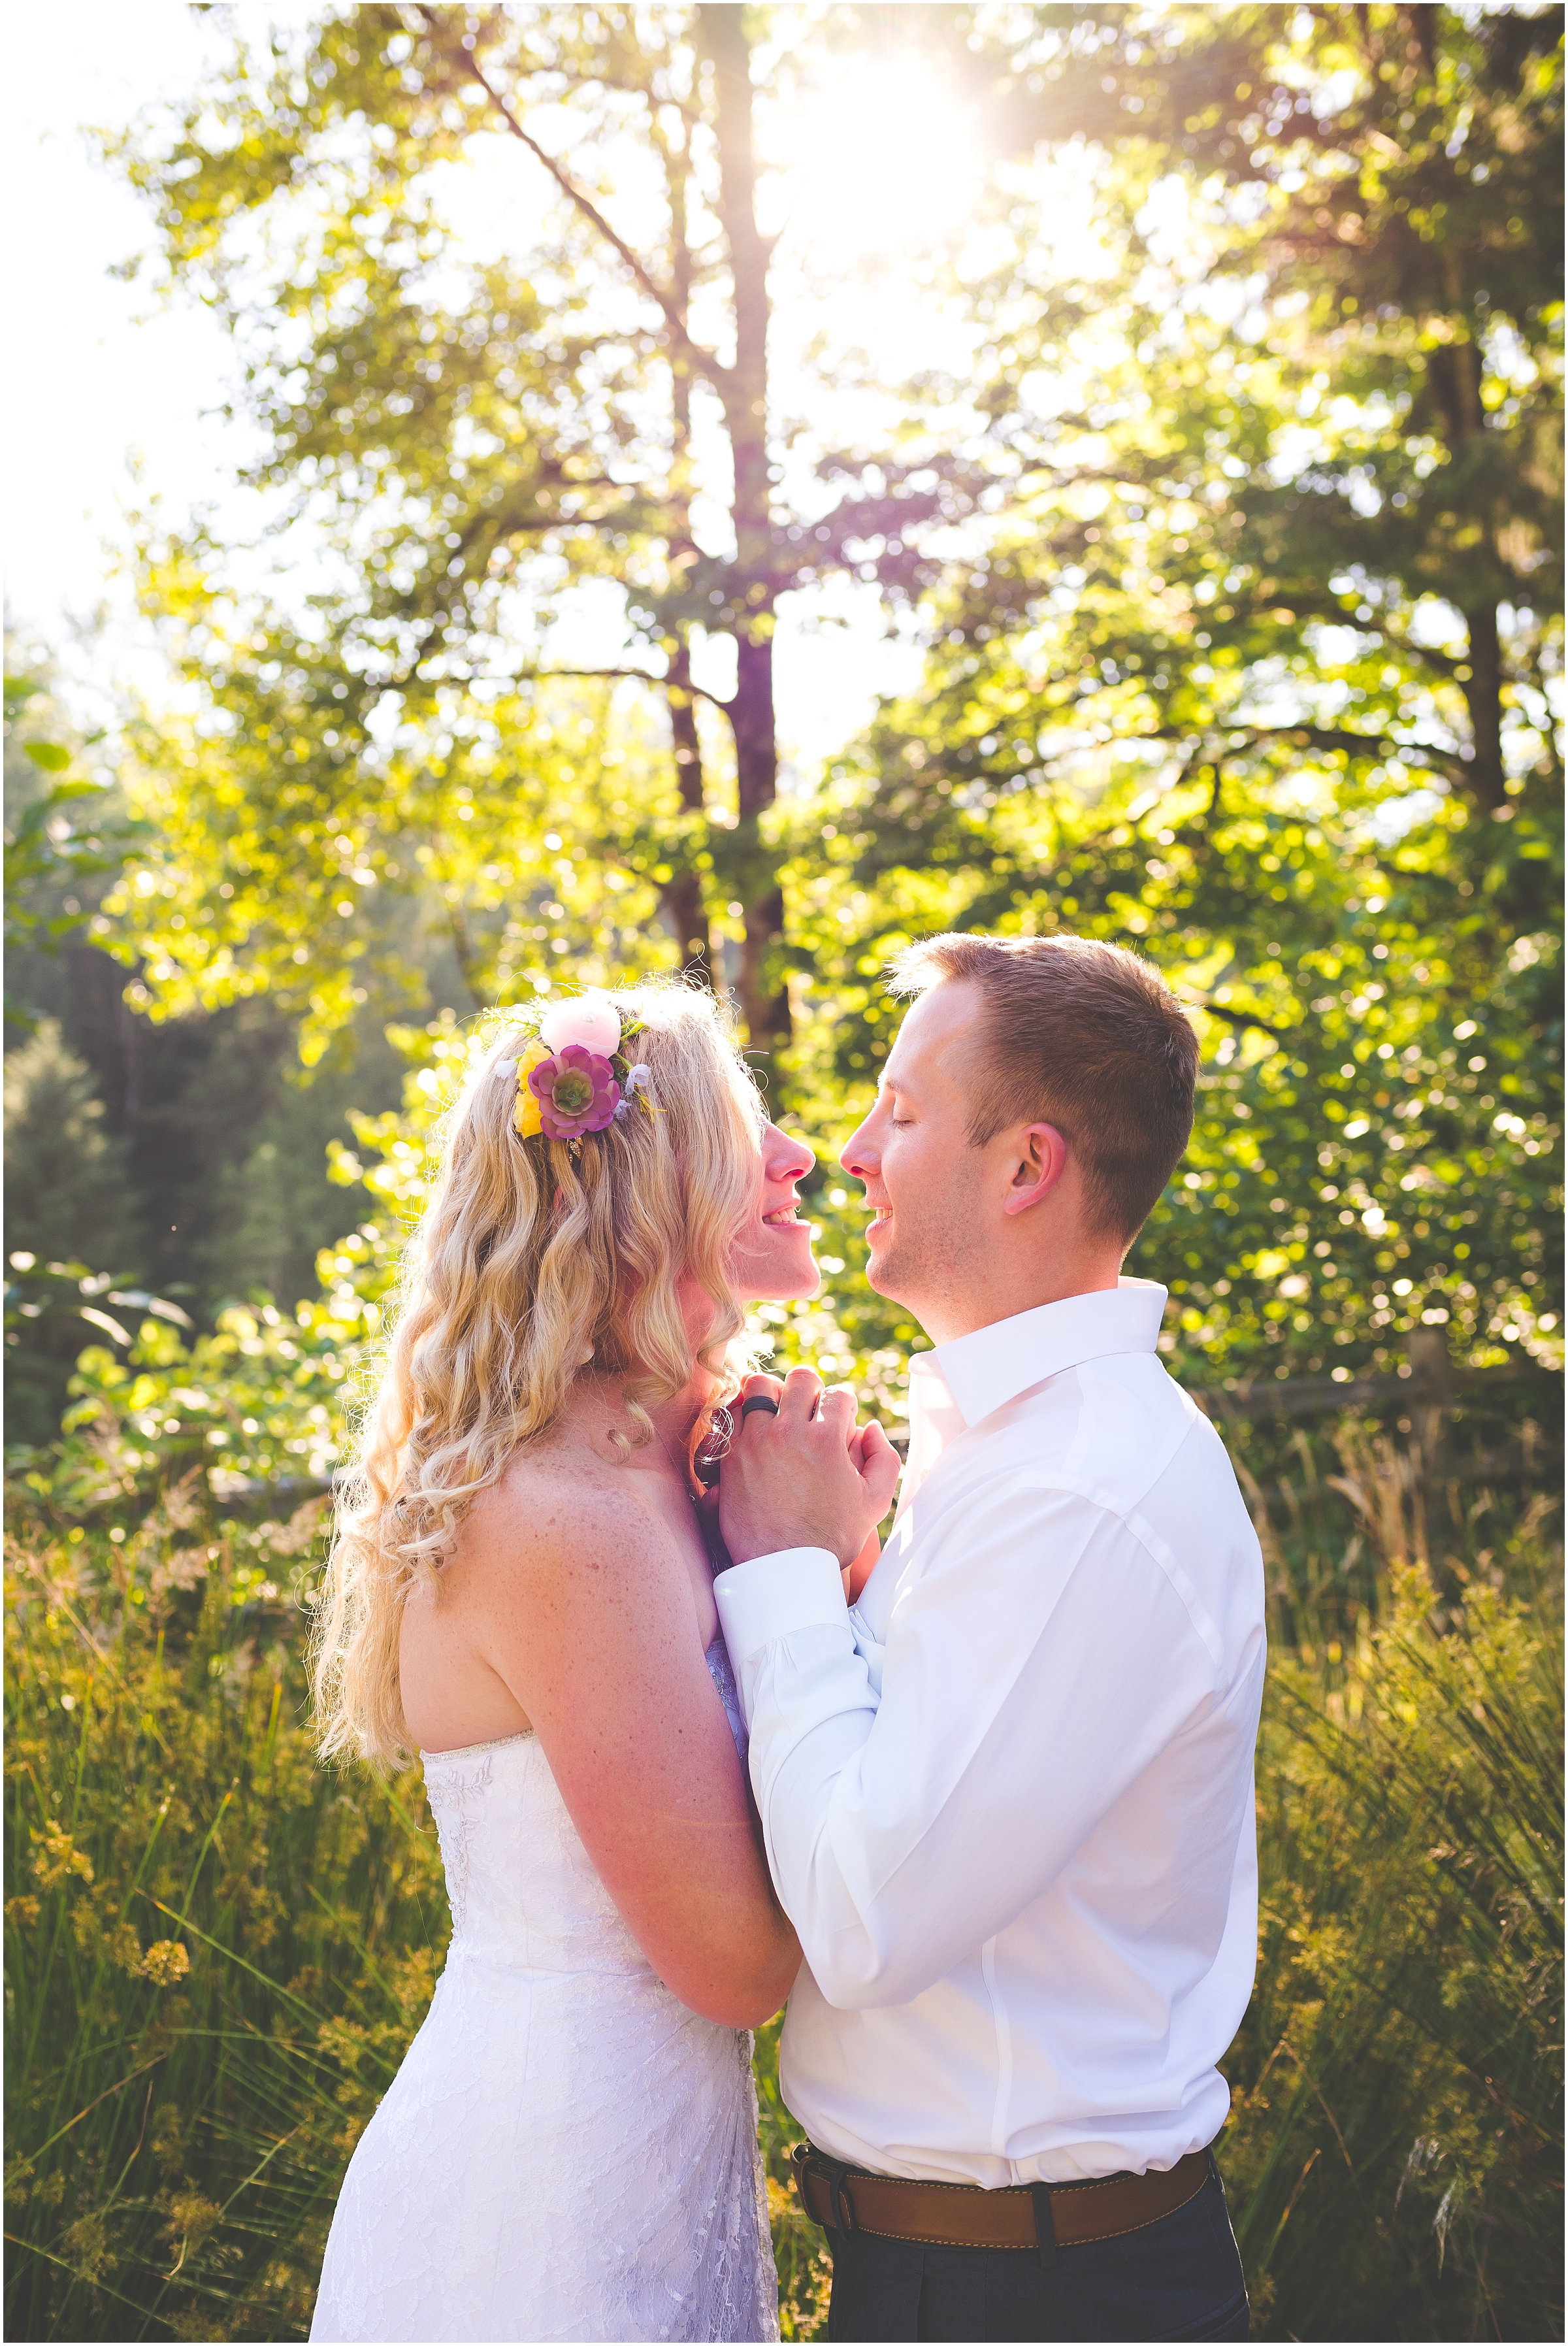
(567, 2152)
(451, 1829)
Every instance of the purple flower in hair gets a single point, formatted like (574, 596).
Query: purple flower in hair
(577, 1091)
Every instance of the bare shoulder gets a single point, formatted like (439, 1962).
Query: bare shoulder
(556, 1510)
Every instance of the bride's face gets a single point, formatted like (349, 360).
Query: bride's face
(772, 1259)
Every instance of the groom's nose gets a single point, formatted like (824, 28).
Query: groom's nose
(858, 1157)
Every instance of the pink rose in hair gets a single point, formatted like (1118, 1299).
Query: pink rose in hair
(577, 1091)
(591, 1019)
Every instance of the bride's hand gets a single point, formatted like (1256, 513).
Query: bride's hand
(805, 1475)
(856, 1575)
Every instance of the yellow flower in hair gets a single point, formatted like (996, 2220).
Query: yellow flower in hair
(525, 1115)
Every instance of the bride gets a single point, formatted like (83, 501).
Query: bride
(520, 1587)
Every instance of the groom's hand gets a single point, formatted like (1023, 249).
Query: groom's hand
(808, 1477)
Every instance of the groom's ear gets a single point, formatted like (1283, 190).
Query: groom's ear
(1039, 1157)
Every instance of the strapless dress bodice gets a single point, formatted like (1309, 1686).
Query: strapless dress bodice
(524, 1891)
(567, 2152)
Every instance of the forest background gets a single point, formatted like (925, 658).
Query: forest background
(1179, 389)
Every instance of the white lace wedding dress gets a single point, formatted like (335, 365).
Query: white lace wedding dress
(567, 2152)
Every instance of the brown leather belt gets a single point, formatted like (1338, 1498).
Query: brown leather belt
(1019, 2215)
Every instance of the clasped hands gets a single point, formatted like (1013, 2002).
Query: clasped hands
(808, 1477)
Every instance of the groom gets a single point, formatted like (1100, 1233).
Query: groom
(1007, 1791)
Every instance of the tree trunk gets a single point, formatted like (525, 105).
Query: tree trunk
(1454, 370)
(1483, 698)
(765, 1003)
(130, 1063)
(462, 947)
(1432, 1387)
(681, 897)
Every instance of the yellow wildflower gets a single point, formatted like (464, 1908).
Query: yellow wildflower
(165, 1963)
(189, 2217)
(525, 1115)
(60, 1858)
(87, 2245)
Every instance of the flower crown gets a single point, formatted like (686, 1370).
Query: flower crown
(572, 1078)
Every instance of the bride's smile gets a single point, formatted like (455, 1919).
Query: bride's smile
(772, 1259)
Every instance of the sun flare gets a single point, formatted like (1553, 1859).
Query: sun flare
(884, 159)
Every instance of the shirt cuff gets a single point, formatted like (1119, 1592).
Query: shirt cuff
(765, 1599)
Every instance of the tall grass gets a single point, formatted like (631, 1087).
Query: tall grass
(1395, 2146)
(799, 2247)
(216, 1952)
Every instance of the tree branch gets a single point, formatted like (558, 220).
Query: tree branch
(643, 676)
(1372, 744)
(467, 61)
(1428, 655)
(1324, 737)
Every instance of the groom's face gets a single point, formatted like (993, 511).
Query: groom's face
(925, 1180)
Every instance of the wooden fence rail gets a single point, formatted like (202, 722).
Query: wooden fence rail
(1427, 1381)
(1427, 1378)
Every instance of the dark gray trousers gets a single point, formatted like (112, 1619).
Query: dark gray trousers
(1178, 2278)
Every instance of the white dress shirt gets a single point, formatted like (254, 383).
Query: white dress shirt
(1008, 1797)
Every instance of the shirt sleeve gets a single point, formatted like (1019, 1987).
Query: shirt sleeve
(1026, 1681)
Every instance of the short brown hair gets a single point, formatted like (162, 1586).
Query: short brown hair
(1082, 1035)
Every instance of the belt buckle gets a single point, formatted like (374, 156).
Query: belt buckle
(807, 2159)
(838, 2199)
(1044, 2226)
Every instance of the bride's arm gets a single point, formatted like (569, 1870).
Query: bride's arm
(582, 1605)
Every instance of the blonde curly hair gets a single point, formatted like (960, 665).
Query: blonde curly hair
(533, 1259)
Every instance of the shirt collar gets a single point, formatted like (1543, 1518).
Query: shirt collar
(993, 1366)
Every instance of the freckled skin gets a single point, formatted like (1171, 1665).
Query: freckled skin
(578, 1600)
